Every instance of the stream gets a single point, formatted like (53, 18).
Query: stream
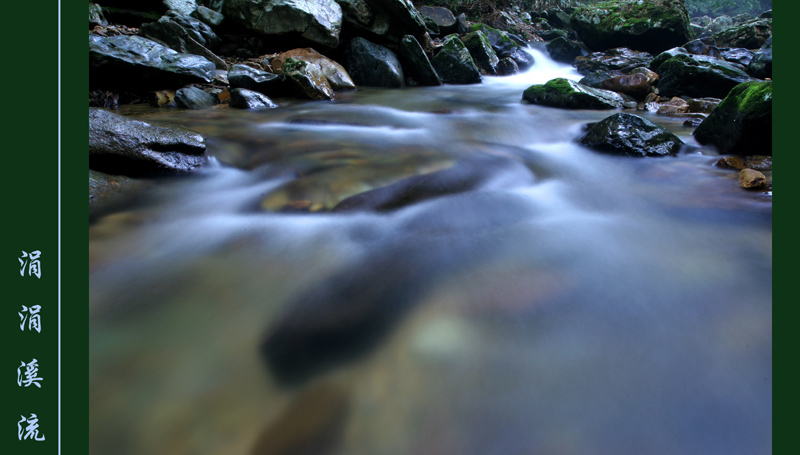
(430, 270)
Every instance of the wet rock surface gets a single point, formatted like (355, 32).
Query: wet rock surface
(242, 98)
(373, 65)
(742, 123)
(630, 135)
(454, 64)
(567, 94)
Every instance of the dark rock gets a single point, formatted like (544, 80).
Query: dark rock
(692, 122)
(184, 7)
(742, 123)
(637, 85)
(316, 21)
(415, 63)
(595, 78)
(630, 135)
(651, 26)
(749, 35)
(136, 63)
(432, 26)
(454, 64)
(208, 16)
(129, 17)
(185, 34)
(523, 59)
(698, 76)
(567, 94)
(563, 50)
(703, 46)
(502, 42)
(737, 55)
(766, 15)
(558, 18)
(385, 21)
(761, 65)
(482, 53)
(243, 76)
(194, 98)
(242, 98)
(373, 65)
(443, 18)
(619, 59)
(96, 16)
(103, 186)
(702, 105)
(122, 145)
(549, 35)
(462, 26)
(307, 79)
(666, 55)
(507, 67)
(337, 76)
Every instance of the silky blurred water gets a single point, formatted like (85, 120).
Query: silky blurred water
(565, 302)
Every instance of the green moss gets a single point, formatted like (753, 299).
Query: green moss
(291, 65)
(752, 96)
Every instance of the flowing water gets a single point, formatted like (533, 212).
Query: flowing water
(436, 270)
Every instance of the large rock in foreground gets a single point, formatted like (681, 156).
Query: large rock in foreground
(319, 21)
(134, 63)
(742, 123)
(645, 25)
(122, 145)
(454, 63)
(630, 135)
(567, 94)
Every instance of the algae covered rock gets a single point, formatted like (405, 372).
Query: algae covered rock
(568, 94)
(698, 76)
(742, 123)
(482, 52)
(454, 63)
(645, 25)
(630, 135)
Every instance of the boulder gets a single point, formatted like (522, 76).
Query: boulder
(749, 35)
(135, 63)
(751, 178)
(125, 146)
(385, 21)
(318, 21)
(630, 135)
(373, 65)
(335, 73)
(184, 7)
(595, 78)
(618, 59)
(415, 63)
(454, 64)
(567, 94)
(241, 98)
(481, 51)
(698, 76)
(502, 42)
(244, 76)
(307, 79)
(507, 67)
(720, 23)
(442, 17)
(185, 34)
(742, 123)
(737, 55)
(645, 25)
(761, 65)
(563, 50)
(703, 46)
(637, 85)
(194, 98)
(208, 16)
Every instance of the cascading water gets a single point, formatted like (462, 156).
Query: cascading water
(430, 270)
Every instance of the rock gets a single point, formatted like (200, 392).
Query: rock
(702, 105)
(243, 76)
(742, 123)
(761, 65)
(96, 16)
(481, 51)
(652, 26)
(103, 186)
(136, 63)
(766, 15)
(666, 55)
(523, 59)
(318, 21)
(415, 63)
(630, 135)
(432, 26)
(550, 35)
(507, 67)
(384, 20)
(703, 46)
(619, 59)
(194, 98)
(563, 50)
(595, 78)
(462, 25)
(721, 23)
(373, 65)
(674, 107)
(558, 18)
(122, 145)
(757, 162)
(208, 16)
(337, 76)
(454, 64)
(737, 55)
(185, 34)
(567, 94)
(442, 17)
(184, 7)
(242, 98)
(502, 42)
(749, 35)
(698, 75)
(307, 79)
(750, 178)
(637, 85)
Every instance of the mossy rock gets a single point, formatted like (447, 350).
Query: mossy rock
(481, 51)
(645, 25)
(742, 123)
(626, 134)
(699, 76)
(567, 94)
(454, 64)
